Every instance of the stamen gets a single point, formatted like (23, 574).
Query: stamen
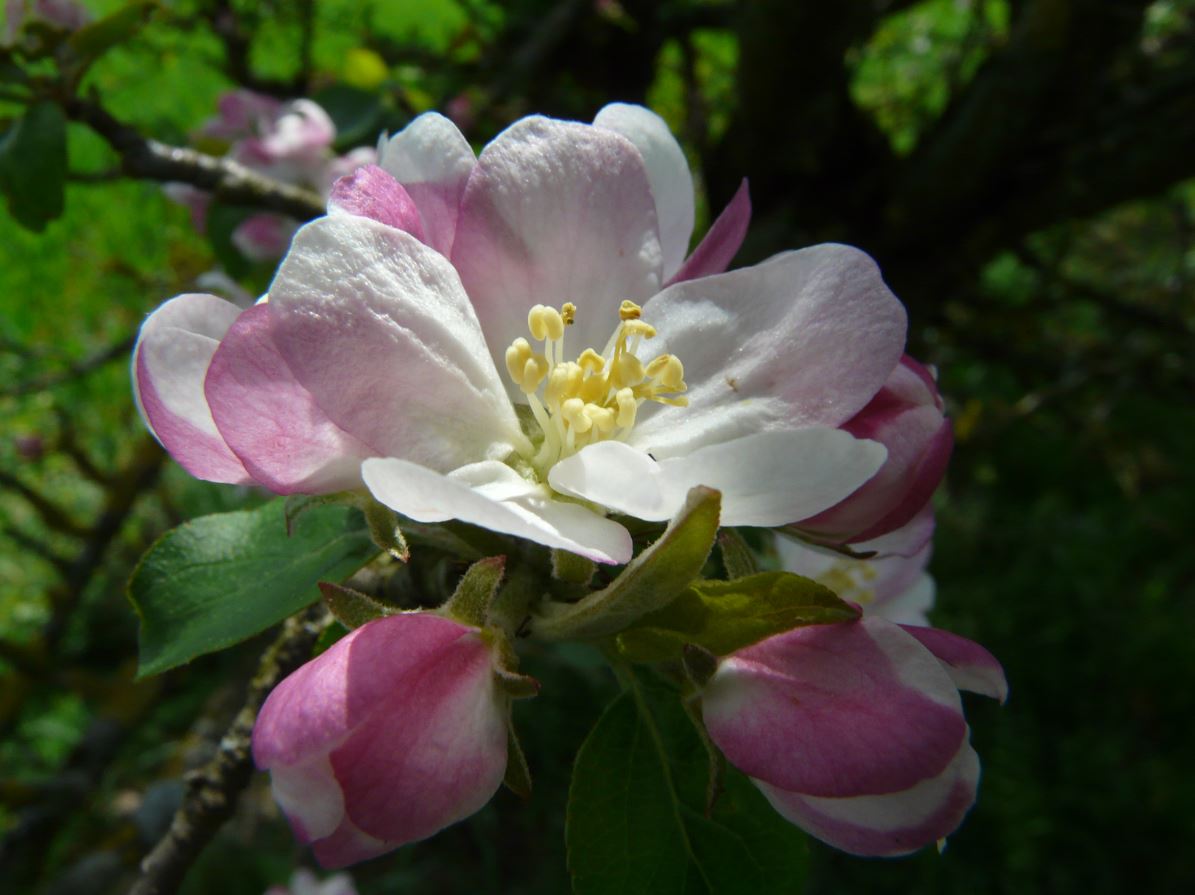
(596, 396)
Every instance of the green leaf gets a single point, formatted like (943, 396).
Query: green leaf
(96, 38)
(723, 616)
(219, 579)
(470, 602)
(636, 822)
(650, 581)
(33, 166)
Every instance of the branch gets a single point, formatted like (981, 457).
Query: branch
(229, 181)
(212, 791)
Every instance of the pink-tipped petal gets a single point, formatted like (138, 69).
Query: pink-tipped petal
(841, 710)
(803, 339)
(302, 131)
(906, 416)
(908, 540)
(437, 748)
(432, 160)
(499, 501)
(371, 192)
(891, 824)
(270, 421)
(971, 666)
(556, 211)
(170, 361)
(721, 243)
(375, 325)
(667, 172)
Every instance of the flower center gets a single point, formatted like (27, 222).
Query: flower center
(851, 580)
(596, 396)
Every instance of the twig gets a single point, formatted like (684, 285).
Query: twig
(54, 516)
(212, 791)
(229, 181)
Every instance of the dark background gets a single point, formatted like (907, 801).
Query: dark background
(1021, 170)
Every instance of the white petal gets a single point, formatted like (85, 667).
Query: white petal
(375, 325)
(427, 496)
(667, 172)
(805, 339)
(432, 160)
(767, 479)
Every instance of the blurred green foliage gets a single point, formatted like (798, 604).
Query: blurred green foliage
(1064, 542)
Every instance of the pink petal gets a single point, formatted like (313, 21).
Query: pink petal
(170, 361)
(309, 794)
(803, 339)
(556, 211)
(432, 753)
(906, 416)
(432, 160)
(500, 504)
(302, 131)
(371, 192)
(667, 172)
(270, 421)
(891, 824)
(349, 845)
(263, 237)
(971, 666)
(908, 540)
(375, 325)
(839, 710)
(722, 241)
(314, 709)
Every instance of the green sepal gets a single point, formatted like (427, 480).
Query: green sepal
(724, 616)
(650, 581)
(737, 558)
(383, 528)
(518, 774)
(470, 602)
(351, 607)
(571, 568)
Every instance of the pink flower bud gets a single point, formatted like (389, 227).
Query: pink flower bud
(906, 417)
(395, 732)
(855, 732)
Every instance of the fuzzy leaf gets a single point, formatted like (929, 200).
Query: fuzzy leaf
(723, 616)
(219, 579)
(650, 581)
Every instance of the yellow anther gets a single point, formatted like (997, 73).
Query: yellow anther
(568, 313)
(667, 372)
(573, 411)
(591, 361)
(536, 322)
(628, 310)
(626, 370)
(603, 418)
(516, 359)
(627, 405)
(595, 388)
(535, 368)
(638, 328)
(563, 383)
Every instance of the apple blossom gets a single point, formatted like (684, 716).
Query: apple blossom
(855, 731)
(887, 584)
(66, 15)
(290, 142)
(304, 882)
(630, 373)
(393, 733)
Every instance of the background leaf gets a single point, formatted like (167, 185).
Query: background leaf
(636, 821)
(220, 579)
(33, 166)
